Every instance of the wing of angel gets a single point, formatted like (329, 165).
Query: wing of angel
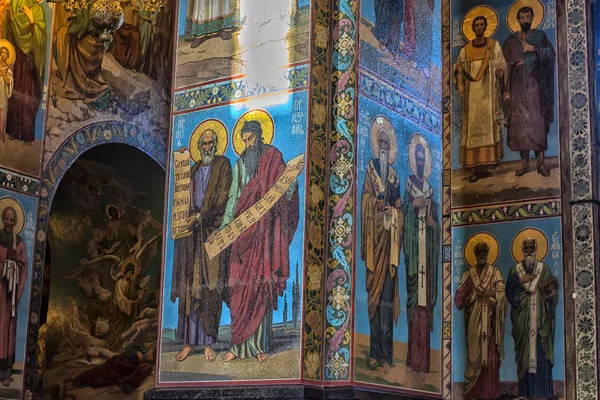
(147, 253)
(102, 265)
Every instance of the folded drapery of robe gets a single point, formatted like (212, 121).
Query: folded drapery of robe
(10, 272)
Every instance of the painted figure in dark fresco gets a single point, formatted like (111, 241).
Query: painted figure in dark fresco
(381, 241)
(532, 292)
(530, 61)
(199, 281)
(422, 235)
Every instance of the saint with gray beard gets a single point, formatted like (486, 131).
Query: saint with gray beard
(198, 281)
(532, 292)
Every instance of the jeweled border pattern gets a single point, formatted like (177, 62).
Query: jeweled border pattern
(237, 89)
(19, 183)
(340, 251)
(399, 101)
(315, 206)
(506, 212)
(81, 141)
(581, 190)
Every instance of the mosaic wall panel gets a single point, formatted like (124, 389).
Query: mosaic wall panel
(492, 353)
(25, 38)
(17, 232)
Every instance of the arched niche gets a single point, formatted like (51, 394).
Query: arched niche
(98, 135)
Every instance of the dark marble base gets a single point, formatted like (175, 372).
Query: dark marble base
(273, 392)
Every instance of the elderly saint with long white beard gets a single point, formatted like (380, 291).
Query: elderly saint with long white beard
(381, 239)
(199, 281)
(533, 316)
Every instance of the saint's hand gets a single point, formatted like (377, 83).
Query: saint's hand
(430, 220)
(387, 210)
(506, 96)
(520, 63)
(419, 202)
(527, 48)
(499, 74)
(28, 13)
(525, 279)
(193, 220)
(379, 204)
(489, 293)
(461, 89)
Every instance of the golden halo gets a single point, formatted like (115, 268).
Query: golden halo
(266, 123)
(218, 128)
(480, 11)
(11, 51)
(123, 266)
(108, 207)
(533, 233)
(415, 140)
(381, 122)
(11, 202)
(538, 14)
(487, 238)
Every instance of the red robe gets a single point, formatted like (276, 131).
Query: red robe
(260, 259)
(8, 323)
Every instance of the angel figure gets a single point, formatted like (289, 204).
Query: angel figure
(119, 297)
(7, 83)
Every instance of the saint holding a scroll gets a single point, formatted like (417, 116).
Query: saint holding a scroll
(259, 263)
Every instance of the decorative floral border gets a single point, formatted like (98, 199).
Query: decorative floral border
(19, 183)
(317, 178)
(340, 251)
(293, 78)
(582, 191)
(399, 101)
(508, 212)
(81, 141)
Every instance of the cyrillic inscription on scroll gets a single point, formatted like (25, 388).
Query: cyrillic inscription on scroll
(181, 194)
(228, 234)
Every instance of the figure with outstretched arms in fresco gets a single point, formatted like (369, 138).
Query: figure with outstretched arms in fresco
(532, 292)
(13, 276)
(199, 281)
(530, 58)
(266, 223)
(481, 295)
(381, 242)
(479, 76)
(422, 234)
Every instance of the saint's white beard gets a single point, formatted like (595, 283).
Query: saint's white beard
(529, 261)
(207, 157)
(383, 159)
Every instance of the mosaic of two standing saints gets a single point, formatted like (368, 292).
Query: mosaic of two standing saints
(485, 295)
(508, 84)
(390, 224)
(232, 231)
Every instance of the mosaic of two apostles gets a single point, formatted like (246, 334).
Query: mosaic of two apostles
(391, 224)
(232, 230)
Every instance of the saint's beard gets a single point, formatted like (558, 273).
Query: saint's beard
(251, 158)
(383, 160)
(529, 261)
(207, 156)
(525, 27)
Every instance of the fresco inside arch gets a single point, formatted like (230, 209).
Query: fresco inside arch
(104, 240)
(505, 143)
(507, 315)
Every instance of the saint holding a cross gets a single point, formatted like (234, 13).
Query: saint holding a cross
(421, 254)
(481, 295)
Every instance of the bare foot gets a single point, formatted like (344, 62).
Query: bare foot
(387, 368)
(373, 363)
(262, 357)
(7, 382)
(209, 354)
(229, 356)
(183, 354)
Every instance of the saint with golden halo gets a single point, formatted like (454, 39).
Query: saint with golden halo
(418, 141)
(382, 124)
(216, 133)
(476, 12)
(259, 116)
(7, 83)
(13, 273)
(533, 293)
(9, 203)
(481, 295)
(512, 18)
